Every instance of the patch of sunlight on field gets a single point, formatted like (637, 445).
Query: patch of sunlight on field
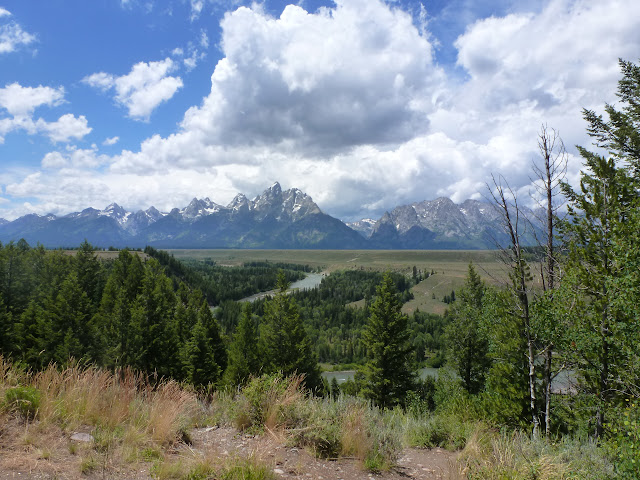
(428, 295)
(396, 260)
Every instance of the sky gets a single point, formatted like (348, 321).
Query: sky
(363, 104)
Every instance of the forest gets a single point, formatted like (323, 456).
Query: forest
(569, 309)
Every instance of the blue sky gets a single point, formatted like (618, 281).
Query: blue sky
(363, 104)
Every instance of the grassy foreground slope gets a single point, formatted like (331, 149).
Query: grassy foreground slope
(142, 428)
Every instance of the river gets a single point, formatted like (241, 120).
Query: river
(343, 375)
(564, 383)
(312, 280)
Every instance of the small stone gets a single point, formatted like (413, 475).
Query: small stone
(82, 437)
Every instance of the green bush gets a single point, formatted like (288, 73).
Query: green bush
(268, 401)
(318, 427)
(623, 443)
(24, 400)
(444, 431)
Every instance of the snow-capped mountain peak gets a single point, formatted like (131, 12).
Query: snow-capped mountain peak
(200, 208)
(116, 212)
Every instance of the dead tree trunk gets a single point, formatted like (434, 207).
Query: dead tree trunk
(519, 273)
(548, 178)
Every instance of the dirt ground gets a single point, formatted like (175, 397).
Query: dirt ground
(27, 453)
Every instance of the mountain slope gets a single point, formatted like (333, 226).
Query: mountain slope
(441, 224)
(274, 219)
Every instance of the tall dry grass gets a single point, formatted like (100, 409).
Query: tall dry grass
(515, 455)
(346, 426)
(123, 406)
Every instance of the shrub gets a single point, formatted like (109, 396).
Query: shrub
(623, 443)
(25, 400)
(446, 431)
(268, 401)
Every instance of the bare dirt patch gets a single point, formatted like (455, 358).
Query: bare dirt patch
(33, 452)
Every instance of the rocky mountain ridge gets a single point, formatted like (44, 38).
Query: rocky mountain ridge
(274, 219)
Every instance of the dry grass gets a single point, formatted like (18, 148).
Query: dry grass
(171, 409)
(515, 455)
(355, 439)
(124, 412)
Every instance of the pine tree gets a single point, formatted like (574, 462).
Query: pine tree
(200, 364)
(89, 272)
(70, 314)
(30, 333)
(243, 351)
(154, 308)
(467, 345)
(389, 372)
(216, 342)
(285, 346)
(603, 219)
(6, 327)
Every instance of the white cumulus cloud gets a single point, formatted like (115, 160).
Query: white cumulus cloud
(64, 129)
(12, 36)
(21, 102)
(143, 89)
(349, 104)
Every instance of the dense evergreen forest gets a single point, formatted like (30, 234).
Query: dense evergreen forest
(152, 313)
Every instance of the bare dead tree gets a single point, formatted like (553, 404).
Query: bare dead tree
(514, 224)
(549, 173)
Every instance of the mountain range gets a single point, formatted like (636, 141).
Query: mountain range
(275, 219)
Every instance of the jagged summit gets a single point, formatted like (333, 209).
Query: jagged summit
(239, 203)
(364, 227)
(274, 219)
(198, 208)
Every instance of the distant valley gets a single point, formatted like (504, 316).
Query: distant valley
(276, 219)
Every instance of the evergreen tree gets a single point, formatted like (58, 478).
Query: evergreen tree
(70, 314)
(200, 364)
(466, 342)
(30, 334)
(507, 379)
(334, 388)
(214, 336)
(114, 315)
(603, 219)
(6, 326)
(89, 272)
(243, 351)
(154, 308)
(285, 346)
(389, 372)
